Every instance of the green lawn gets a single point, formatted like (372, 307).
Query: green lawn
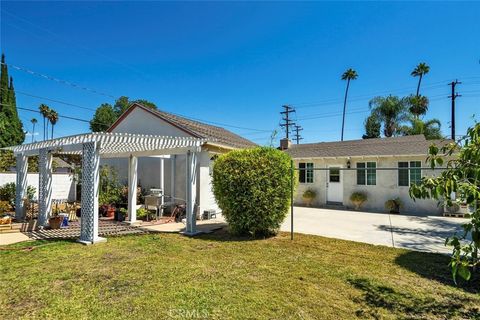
(162, 276)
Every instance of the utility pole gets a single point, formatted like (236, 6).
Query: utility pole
(453, 97)
(286, 118)
(297, 133)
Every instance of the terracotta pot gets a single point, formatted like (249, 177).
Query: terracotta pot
(110, 212)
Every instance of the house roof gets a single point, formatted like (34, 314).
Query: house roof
(217, 135)
(394, 146)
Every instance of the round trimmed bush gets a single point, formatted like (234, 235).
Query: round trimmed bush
(252, 187)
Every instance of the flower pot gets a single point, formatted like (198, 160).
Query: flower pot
(308, 201)
(110, 212)
(55, 222)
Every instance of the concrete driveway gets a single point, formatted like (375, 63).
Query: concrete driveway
(393, 230)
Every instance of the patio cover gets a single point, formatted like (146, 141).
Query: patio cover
(92, 146)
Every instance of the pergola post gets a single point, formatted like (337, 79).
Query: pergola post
(173, 163)
(191, 193)
(21, 186)
(90, 190)
(132, 188)
(162, 183)
(44, 186)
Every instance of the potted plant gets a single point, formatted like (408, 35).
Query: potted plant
(143, 214)
(110, 192)
(393, 205)
(121, 214)
(308, 196)
(358, 198)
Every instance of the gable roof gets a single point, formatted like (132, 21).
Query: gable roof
(394, 146)
(217, 135)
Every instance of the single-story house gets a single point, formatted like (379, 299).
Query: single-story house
(168, 172)
(382, 168)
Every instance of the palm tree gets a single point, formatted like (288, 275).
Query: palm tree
(53, 118)
(44, 110)
(34, 122)
(348, 75)
(420, 70)
(391, 112)
(418, 105)
(430, 128)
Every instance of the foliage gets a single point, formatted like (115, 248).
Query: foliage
(53, 119)
(429, 128)
(252, 187)
(461, 177)
(7, 193)
(44, 111)
(390, 112)
(104, 117)
(110, 189)
(309, 194)
(393, 205)
(123, 103)
(372, 127)
(420, 70)
(358, 198)
(417, 105)
(143, 213)
(5, 206)
(11, 127)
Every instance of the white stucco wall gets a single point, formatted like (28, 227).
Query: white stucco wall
(63, 185)
(142, 122)
(386, 185)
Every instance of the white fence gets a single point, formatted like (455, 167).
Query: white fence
(63, 184)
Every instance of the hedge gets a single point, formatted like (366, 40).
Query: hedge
(252, 188)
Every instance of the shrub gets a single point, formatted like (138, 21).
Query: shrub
(308, 196)
(252, 188)
(393, 205)
(358, 198)
(110, 189)
(7, 193)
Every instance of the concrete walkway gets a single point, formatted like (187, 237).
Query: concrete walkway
(393, 230)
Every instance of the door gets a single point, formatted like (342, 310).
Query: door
(334, 184)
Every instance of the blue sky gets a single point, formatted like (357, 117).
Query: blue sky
(238, 63)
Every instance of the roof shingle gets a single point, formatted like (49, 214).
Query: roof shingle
(394, 146)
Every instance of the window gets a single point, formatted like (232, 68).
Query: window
(409, 173)
(334, 175)
(367, 173)
(305, 172)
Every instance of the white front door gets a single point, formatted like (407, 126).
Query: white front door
(335, 184)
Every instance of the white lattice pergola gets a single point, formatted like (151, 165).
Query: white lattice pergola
(92, 146)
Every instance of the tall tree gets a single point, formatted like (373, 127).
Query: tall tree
(53, 118)
(34, 122)
(420, 70)
(348, 75)
(372, 127)
(44, 110)
(10, 124)
(431, 129)
(417, 105)
(104, 117)
(391, 112)
(122, 104)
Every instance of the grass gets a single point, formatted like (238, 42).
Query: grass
(162, 276)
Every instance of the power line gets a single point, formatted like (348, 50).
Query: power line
(64, 82)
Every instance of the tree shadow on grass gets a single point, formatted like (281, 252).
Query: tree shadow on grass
(435, 267)
(376, 297)
(223, 234)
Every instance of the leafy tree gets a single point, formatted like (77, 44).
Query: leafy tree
(429, 128)
(372, 127)
(420, 70)
(461, 177)
(104, 117)
(10, 125)
(390, 112)
(122, 104)
(348, 75)
(34, 122)
(252, 187)
(417, 105)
